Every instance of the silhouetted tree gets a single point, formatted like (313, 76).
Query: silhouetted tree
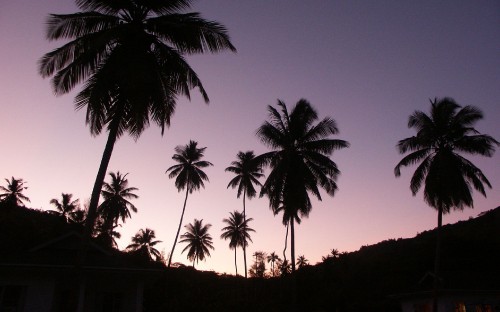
(143, 242)
(188, 175)
(116, 205)
(299, 161)
(66, 207)
(198, 240)
(14, 192)
(258, 268)
(237, 231)
(284, 267)
(131, 56)
(302, 261)
(247, 171)
(447, 176)
(272, 258)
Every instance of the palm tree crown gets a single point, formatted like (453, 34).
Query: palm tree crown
(247, 171)
(198, 240)
(66, 207)
(441, 137)
(299, 161)
(144, 242)
(14, 192)
(116, 195)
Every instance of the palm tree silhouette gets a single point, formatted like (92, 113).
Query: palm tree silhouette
(116, 205)
(188, 175)
(198, 241)
(302, 261)
(299, 161)
(130, 55)
(247, 171)
(66, 207)
(272, 258)
(143, 242)
(14, 192)
(447, 176)
(237, 231)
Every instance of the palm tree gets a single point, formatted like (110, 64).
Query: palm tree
(143, 242)
(448, 178)
(302, 261)
(130, 54)
(14, 192)
(188, 175)
(198, 241)
(299, 161)
(247, 171)
(272, 258)
(66, 207)
(116, 205)
(237, 231)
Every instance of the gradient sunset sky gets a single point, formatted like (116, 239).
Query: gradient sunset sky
(367, 64)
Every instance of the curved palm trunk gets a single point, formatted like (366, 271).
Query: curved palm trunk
(235, 265)
(437, 260)
(179, 229)
(286, 241)
(292, 244)
(244, 243)
(92, 213)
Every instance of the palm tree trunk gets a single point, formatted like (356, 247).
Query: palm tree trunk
(179, 228)
(244, 243)
(94, 200)
(437, 260)
(235, 265)
(286, 242)
(292, 244)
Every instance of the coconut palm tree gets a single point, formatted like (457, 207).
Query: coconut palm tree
(198, 240)
(299, 161)
(302, 261)
(131, 56)
(116, 204)
(448, 178)
(188, 175)
(14, 192)
(272, 258)
(237, 231)
(247, 171)
(143, 242)
(66, 207)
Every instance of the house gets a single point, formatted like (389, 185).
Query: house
(39, 274)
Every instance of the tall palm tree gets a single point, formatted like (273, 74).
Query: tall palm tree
(272, 258)
(302, 261)
(143, 242)
(188, 175)
(116, 204)
(66, 207)
(247, 171)
(131, 56)
(299, 161)
(14, 192)
(237, 231)
(448, 177)
(198, 240)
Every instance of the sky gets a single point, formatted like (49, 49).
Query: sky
(367, 64)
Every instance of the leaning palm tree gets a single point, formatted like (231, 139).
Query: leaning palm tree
(448, 177)
(116, 204)
(188, 175)
(272, 258)
(66, 207)
(131, 56)
(143, 242)
(237, 231)
(198, 241)
(299, 161)
(14, 192)
(247, 171)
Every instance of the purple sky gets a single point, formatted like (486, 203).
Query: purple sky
(367, 64)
